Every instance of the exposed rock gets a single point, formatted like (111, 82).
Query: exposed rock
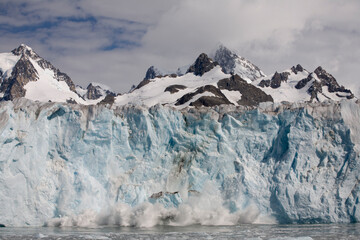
(161, 194)
(2, 225)
(71, 101)
(109, 99)
(157, 195)
(22, 73)
(297, 69)
(202, 65)
(233, 64)
(323, 79)
(25, 51)
(93, 92)
(151, 73)
(60, 76)
(209, 101)
(329, 81)
(302, 83)
(174, 88)
(226, 59)
(142, 83)
(250, 95)
(314, 90)
(276, 80)
(218, 99)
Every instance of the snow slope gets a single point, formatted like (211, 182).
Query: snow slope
(154, 92)
(287, 91)
(47, 83)
(76, 165)
(47, 87)
(7, 63)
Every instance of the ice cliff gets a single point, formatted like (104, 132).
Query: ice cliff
(63, 164)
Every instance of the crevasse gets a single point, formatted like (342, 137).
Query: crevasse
(66, 165)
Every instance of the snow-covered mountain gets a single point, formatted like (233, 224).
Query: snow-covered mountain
(204, 84)
(25, 74)
(297, 84)
(94, 92)
(233, 64)
(222, 77)
(230, 79)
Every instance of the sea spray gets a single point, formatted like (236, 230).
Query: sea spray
(206, 208)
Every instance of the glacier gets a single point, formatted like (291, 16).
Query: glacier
(73, 165)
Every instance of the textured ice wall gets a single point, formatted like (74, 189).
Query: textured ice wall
(66, 164)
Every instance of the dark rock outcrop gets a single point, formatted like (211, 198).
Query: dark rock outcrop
(25, 51)
(297, 69)
(329, 81)
(250, 95)
(276, 80)
(226, 59)
(109, 99)
(174, 88)
(202, 65)
(207, 101)
(22, 73)
(323, 79)
(302, 83)
(151, 73)
(93, 92)
(142, 83)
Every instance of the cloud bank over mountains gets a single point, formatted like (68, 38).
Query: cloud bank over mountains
(114, 42)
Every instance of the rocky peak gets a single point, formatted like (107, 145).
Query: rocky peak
(202, 65)
(226, 59)
(93, 92)
(297, 69)
(231, 63)
(151, 73)
(22, 73)
(276, 80)
(328, 80)
(25, 50)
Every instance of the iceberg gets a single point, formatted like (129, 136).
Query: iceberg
(65, 164)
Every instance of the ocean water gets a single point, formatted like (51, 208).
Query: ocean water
(246, 231)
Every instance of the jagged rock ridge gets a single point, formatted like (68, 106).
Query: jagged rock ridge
(24, 72)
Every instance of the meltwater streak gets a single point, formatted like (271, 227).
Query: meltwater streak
(206, 208)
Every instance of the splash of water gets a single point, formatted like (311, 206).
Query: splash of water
(205, 208)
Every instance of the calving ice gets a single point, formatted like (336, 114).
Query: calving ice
(212, 143)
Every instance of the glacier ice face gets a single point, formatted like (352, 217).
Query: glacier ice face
(63, 164)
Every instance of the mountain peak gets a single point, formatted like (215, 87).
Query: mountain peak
(152, 73)
(231, 63)
(226, 59)
(202, 65)
(297, 69)
(25, 50)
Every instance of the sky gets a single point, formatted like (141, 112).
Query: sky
(114, 41)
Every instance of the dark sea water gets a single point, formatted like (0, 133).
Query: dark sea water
(303, 232)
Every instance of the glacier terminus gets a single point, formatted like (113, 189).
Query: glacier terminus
(74, 165)
(217, 142)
